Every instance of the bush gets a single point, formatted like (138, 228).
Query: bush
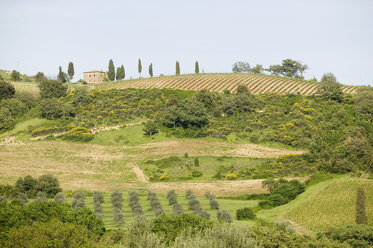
(203, 214)
(48, 184)
(6, 90)
(224, 216)
(118, 216)
(98, 210)
(117, 198)
(134, 203)
(188, 193)
(51, 234)
(172, 226)
(177, 209)
(39, 77)
(41, 197)
(6, 120)
(27, 185)
(59, 198)
(172, 197)
(22, 197)
(150, 128)
(245, 214)
(214, 204)
(53, 108)
(98, 197)
(52, 89)
(359, 236)
(16, 215)
(79, 134)
(231, 176)
(15, 106)
(276, 200)
(197, 174)
(15, 76)
(78, 201)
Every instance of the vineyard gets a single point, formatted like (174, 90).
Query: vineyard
(257, 84)
(332, 206)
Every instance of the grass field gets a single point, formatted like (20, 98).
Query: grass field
(229, 205)
(257, 84)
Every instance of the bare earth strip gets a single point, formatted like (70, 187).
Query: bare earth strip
(213, 148)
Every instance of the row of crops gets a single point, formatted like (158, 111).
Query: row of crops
(257, 84)
(118, 209)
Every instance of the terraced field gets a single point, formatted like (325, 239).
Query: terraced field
(257, 84)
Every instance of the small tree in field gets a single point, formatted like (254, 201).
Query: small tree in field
(150, 128)
(151, 70)
(111, 71)
(196, 67)
(177, 68)
(361, 214)
(70, 70)
(196, 162)
(15, 76)
(59, 198)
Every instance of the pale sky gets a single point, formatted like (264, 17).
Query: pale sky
(329, 36)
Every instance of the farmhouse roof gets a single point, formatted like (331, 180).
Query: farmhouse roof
(93, 71)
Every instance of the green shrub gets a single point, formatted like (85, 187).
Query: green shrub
(6, 90)
(277, 200)
(78, 201)
(59, 198)
(79, 134)
(52, 89)
(15, 106)
(245, 214)
(172, 197)
(6, 120)
(171, 226)
(53, 108)
(203, 214)
(197, 174)
(359, 236)
(177, 209)
(15, 75)
(41, 196)
(225, 216)
(214, 204)
(54, 233)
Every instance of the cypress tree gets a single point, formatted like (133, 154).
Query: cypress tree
(123, 72)
(196, 67)
(361, 214)
(177, 68)
(61, 75)
(111, 72)
(151, 70)
(139, 67)
(119, 72)
(70, 70)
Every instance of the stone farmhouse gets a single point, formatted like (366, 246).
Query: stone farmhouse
(94, 76)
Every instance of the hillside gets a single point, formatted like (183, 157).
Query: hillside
(257, 84)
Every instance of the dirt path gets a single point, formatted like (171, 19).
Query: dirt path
(139, 173)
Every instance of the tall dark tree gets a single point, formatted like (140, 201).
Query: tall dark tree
(177, 68)
(361, 214)
(111, 72)
(123, 72)
(151, 70)
(139, 67)
(196, 67)
(61, 75)
(119, 72)
(70, 70)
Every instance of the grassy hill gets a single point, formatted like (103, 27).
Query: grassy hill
(257, 84)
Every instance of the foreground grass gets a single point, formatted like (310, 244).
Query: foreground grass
(229, 205)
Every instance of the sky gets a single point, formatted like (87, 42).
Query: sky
(328, 35)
